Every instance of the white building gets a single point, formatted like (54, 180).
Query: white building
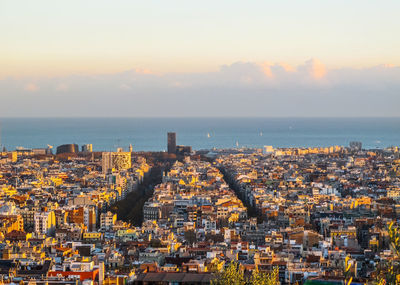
(45, 223)
(107, 220)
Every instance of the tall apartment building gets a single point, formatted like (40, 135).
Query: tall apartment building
(29, 219)
(116, 160)
(45, 222)
(151, 211)
(171, 142)
(107, 220)
(87, 148)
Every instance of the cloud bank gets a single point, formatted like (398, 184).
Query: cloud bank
(238, 89)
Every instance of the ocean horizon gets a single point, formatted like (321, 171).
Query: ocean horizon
(150, 133)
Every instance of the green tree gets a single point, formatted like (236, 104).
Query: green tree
(389, 271)
(347, 271)
(233, 275)
(260, 278)
(215, 265)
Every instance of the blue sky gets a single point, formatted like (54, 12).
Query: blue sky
(56, 49)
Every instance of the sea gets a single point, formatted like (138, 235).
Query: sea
(150, 134)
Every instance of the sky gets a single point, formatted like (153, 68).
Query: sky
(199, 58)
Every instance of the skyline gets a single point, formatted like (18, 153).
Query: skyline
(149, 134)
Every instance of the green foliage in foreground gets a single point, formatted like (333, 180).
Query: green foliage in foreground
(389, 270)
(259, 278)
(234, 274)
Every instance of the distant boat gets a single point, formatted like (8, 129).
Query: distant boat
(208, 135)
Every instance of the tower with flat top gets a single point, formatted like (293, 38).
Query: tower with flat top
(171, 142)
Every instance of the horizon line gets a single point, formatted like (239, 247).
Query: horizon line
(200, 117)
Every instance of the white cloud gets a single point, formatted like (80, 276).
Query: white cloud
(313, 68)
(62, 87)
(125, 87)
(144, 71)
(238, 89)
(31, 87)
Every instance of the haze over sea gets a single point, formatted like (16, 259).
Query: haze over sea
(150, 134)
